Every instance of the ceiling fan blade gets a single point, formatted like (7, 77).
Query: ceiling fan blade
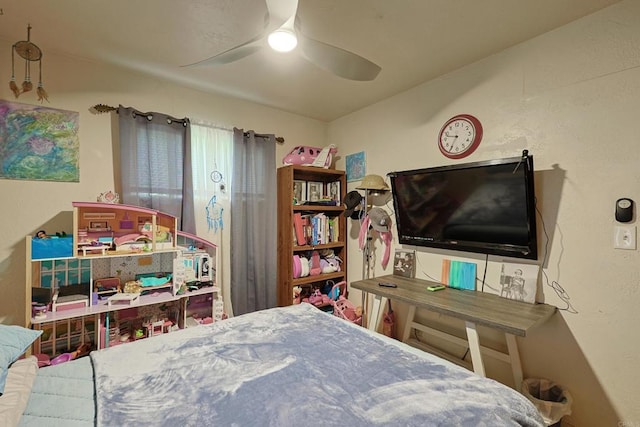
(337, 60)
(280, 11)
(231, 55)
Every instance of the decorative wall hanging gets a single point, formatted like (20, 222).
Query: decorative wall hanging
(356, 166)
(109, 197)
(214, 215)
(38, 143)
(30, 53)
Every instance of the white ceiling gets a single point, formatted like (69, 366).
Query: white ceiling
(412, 40)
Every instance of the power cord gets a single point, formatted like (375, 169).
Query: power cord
(557, 288)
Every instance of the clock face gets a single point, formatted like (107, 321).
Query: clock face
(460, 136)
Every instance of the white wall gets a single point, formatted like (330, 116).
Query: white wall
(76, 85)
(571, 97)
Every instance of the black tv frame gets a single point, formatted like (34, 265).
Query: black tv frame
(528, 251)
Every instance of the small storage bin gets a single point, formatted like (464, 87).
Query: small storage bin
(552, 401)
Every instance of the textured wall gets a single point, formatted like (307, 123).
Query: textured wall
(571, 97)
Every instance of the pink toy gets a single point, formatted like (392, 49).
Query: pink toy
(314, 264)
(342, 307)
(316, 297)
(311, 156)
(64, 357)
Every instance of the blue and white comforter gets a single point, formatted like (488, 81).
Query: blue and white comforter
(293, 366)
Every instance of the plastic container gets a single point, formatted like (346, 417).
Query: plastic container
(552, 400)
(64, 357)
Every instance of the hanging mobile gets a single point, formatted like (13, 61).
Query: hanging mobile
(216, 176)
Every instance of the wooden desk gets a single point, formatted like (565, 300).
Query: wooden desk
(514, 318)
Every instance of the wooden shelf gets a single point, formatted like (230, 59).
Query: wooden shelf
(332, 245)
(286, 210)
(341, 275)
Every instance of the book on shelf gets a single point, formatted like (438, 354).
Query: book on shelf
(315, 229)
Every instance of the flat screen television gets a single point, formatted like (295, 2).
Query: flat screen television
(484, 207)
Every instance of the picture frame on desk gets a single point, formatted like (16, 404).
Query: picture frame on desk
(404, 263)
(518, 282)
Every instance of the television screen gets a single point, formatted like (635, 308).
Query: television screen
(484, 207)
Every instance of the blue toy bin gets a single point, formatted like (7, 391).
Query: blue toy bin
(51, 247)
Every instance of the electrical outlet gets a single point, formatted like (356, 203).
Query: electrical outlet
(624, 237)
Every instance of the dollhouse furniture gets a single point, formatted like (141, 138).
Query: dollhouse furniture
(88, 247)
(125, 298)
(130, 243)
(286, 366)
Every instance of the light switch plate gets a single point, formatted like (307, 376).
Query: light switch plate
(624, 237)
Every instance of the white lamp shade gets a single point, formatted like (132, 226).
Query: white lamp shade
(282, 40)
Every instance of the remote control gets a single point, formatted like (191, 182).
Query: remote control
(388, 285)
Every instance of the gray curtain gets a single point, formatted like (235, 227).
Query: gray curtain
(253, 222)
(154, 155)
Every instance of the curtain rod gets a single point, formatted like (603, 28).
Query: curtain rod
(103, 108)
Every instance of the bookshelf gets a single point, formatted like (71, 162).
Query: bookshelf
(304, 182)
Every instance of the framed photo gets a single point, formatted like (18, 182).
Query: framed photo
(299, 191)
(356, 166)
(314, 190)
(333, 191)
(404, 263)
(519, 282)
(98, 225)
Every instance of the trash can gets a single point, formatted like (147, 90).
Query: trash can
(552, 400)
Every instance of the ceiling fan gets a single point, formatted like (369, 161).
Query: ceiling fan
(283, 25)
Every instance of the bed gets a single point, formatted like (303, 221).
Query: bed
(286, 366)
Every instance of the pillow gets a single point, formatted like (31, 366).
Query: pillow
(14, 340)
(17, 390)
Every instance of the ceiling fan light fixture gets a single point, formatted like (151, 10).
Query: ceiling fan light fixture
(282, 40)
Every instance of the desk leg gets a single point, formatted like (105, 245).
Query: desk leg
(409, 325)
(374, 319)
(514, 356)
(474, 348)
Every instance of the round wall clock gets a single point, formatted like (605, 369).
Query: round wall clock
(460, 136)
